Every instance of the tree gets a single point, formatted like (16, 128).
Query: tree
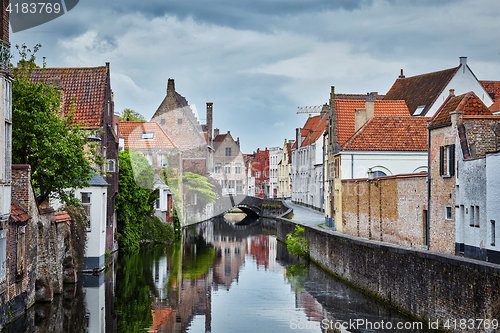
(198, 185)
(132, 201)
(131, 115)
(59, 151)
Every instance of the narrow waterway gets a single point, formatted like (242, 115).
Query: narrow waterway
(223, 277)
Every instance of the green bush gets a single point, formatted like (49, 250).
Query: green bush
(296, 244)
(154, 229)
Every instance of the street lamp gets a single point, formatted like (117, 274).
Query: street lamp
(371, 174)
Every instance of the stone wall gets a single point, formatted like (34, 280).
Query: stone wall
(429, 285)
(389, 209)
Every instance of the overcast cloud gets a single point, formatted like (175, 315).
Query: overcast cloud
(259, 60)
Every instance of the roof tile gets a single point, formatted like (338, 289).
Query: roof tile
(132, 131)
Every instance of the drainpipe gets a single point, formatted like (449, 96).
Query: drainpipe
(427, 225)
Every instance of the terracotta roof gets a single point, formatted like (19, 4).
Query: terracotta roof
(62, 217)
(421, 90)
(469, 103)
(390, 134)
(84, 87)
(492, 88)
(375, 96)
(345, 110)
(133, 131)
(17, 214)
(495, 107)
(218, 140)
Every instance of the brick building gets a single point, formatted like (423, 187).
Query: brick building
(259, 170)
(464, 136)
(87, 92)
(179, 121)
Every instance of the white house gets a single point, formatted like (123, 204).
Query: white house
(275, 155)
(425, 93)
(93, 199)
(307, 163)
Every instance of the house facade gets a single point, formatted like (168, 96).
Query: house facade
(229, 164)
(307, 163)
(260, 172)
(181, 124)
(285, 171)
(461, 134)
(275, 155)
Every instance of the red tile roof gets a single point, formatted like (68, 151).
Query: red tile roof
(495, 107)
(218, 140)
(132, 132)
(492, 88)
(469, 103)
(62, 217)
(390, 134)
(17, 214)
(421, 90)
(345, 110)
(84, 87)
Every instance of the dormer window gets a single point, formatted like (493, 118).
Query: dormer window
(147, 135)
(419, 110)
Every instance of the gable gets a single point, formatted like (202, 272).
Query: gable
(469, 103)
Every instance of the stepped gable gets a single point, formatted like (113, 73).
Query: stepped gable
(390, 134)
(420, 90)
(345, 113)
(469, 103)
(133, 131)
(84, 89)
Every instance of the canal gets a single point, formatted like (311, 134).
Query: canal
(223, 277)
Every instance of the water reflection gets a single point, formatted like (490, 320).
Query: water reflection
(223, 277)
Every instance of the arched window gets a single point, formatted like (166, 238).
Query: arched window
(379, 174)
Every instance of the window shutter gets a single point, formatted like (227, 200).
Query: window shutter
(452, 160)
(441, 160)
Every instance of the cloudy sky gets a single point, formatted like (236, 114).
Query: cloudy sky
(259, 60)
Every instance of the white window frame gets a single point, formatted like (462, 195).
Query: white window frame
(237, 168)
(147, 135)
(227, 168)
(217, 168)
(89, 210)
(162, 160)
(3, 256)
(448, 213)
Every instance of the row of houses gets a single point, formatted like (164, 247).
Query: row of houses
(417, 166)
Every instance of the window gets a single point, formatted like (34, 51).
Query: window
(447, 161)
(227, 168)
(448, 212)
(179, 121)
(217, 168)
(3, 257)
(162, 121)
(116, 129)
(147, 135)
(86, 204)
(231, 186)
(21, 246)
(492, 223)
(224, 186)
(228, 151)
(239, 187)
(194, 199)
(111, 165)
(379, 174)
(149, 157)
(237, 168)
(7, 98)
(476, 216)
(419, 110)
(162, 160)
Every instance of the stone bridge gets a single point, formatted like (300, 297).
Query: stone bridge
(252, 206)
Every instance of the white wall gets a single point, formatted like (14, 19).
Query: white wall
(463, 82)
(356, 164)
(493, 195)
(96, 238)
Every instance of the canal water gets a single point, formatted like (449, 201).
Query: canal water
(223, 277)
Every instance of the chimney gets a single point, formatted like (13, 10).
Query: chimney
(209, 121)
(5, 23)
(170, 87)
(332, 93)
(216, 132)
(402, 75)
(370, 107)
(359, 118)
(463, 61)
(452, 92)
(297, 136)
(238, 141)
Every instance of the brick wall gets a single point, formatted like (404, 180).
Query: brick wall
(389, 209)
(429, 285)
